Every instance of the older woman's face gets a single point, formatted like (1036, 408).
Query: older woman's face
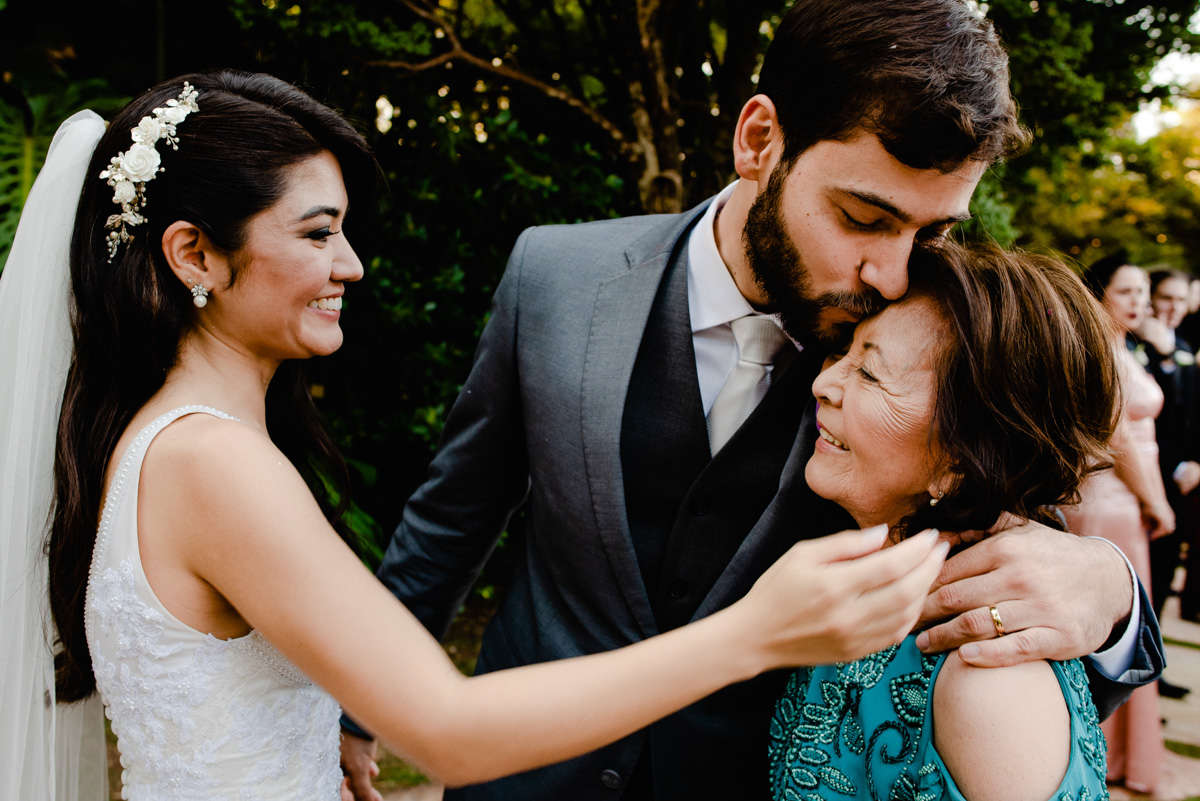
(1127, 296)
(875, 456)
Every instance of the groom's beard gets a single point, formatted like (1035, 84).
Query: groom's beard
(780, 273)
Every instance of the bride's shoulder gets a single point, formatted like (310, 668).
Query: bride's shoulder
(1014, 715)
(209, 443)
(221, 461)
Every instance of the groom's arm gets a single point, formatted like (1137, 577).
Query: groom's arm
(478, 477)
(1059, 597)
(1136, 660)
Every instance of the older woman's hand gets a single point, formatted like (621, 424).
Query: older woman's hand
(1056, 595)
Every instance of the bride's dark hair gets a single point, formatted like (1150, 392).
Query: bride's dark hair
(130, 314)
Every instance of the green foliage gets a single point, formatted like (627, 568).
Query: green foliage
(471, 157)
(335, 26)
(1080, 65)
(991, 214)
(27, 124)
(396, 774)
(1079, 68)
(361, 524)
(1121, 194)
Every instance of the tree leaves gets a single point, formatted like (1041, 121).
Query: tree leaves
(25, 134)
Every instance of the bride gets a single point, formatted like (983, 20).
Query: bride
(195, 576)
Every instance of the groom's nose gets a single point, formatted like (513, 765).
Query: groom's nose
(885, 266)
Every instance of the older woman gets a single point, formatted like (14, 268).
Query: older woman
(989, 389)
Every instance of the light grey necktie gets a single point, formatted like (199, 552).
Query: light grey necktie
(759, 340)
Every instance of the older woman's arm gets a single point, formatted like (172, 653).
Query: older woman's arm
(1004, 733)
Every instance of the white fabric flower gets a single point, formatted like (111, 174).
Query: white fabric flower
(147, 131)
(140, 162)
(174, 114)
(123, 192)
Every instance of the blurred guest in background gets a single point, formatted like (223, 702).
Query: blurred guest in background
(1170, 360)
(1128, 506)
(1189, 329)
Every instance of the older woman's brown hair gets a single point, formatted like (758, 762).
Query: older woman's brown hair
(1027, 390)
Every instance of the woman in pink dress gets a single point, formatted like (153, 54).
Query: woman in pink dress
(1128, 506)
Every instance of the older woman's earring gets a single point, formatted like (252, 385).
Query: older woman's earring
(199, 296)
(933, 500)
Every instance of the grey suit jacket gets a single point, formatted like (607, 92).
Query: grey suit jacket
(540, 416)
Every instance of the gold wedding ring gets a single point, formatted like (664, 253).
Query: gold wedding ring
(997, 623)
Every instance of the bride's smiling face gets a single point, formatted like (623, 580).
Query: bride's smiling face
(292, 269)
(875, 455)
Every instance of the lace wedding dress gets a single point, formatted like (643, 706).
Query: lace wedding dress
(196, 718)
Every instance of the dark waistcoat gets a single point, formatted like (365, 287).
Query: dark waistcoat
(688, 514)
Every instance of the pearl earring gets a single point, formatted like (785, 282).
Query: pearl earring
(199, 296)
(933, 500)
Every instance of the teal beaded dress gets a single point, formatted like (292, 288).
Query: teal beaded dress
(863, 730)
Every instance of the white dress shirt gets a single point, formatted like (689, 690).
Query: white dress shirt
(714, 301)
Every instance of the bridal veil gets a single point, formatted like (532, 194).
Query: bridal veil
(48, 752)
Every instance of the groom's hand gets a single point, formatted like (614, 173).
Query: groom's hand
(359, 767)
(1058, 596)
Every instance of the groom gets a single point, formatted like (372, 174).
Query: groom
(603, 398)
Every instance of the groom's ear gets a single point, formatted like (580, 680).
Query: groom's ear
(757, 140)
(193, 258)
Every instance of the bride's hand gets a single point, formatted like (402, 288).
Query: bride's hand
(838, 598)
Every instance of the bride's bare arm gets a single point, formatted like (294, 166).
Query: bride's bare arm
(242, 520)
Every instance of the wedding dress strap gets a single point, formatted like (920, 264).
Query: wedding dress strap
(131, 462)
(129, 470)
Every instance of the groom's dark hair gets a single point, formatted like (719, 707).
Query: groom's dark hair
(928, 77)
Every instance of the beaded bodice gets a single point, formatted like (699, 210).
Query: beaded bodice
(864, 730)
(196, 718)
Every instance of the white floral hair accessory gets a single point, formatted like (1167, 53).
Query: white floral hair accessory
(129, 172)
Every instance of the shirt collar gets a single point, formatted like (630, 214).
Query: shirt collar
(713, 297)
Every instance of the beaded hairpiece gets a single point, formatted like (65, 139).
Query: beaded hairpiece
(129, 172)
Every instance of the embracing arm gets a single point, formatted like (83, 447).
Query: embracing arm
(262, 543)
(1136, 660)
(1059, 596)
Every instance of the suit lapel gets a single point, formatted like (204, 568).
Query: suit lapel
(795, 513)
(620, 313)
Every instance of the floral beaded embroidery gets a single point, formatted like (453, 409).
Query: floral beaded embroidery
(859, 730)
